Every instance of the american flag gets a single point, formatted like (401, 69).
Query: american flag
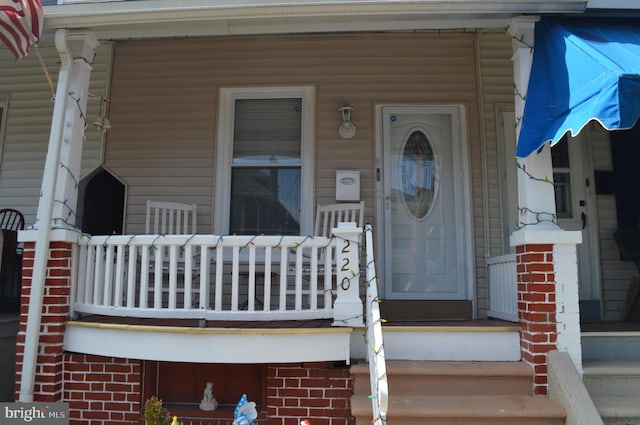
(20, 25)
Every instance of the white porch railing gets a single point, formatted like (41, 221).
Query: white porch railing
(503, 287)
(375, 344)
(204, 276)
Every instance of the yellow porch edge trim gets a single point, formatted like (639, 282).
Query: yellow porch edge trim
(221, 331)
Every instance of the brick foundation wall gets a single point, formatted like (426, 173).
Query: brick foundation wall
(536, 308)
(314, 391)
(102, 390)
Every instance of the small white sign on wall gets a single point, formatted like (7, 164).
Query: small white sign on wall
(347, 185)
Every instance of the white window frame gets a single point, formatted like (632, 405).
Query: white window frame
(224, 153)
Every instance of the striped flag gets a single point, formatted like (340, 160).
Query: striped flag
(20, 25)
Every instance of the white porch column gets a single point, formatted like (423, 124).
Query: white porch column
(59, 193)
(536, 202)
(82, 45)
(348, 309)
(548, 310)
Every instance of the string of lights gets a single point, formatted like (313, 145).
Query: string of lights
(373, 331)
(516, 92)
(523, 168)
(525, 213)
(523, 42)
(83, 116)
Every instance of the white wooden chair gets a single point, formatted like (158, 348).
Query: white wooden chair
(327, 218)
(170, 218)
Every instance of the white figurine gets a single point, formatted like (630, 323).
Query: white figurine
(208, 400)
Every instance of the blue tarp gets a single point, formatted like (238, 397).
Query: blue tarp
(583, 70)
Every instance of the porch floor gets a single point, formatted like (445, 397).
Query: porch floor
(196, 323)
(585, 326)
(602, 326)
(283, 324)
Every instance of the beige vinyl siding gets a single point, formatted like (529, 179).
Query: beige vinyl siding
(496, 90)
(28, 124)
(164, 101)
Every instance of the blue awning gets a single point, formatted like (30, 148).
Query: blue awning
(583, 70)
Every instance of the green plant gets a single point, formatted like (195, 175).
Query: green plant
(154, 413)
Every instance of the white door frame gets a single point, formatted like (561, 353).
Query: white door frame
(507, 169)
(589, 249)
(466, 260)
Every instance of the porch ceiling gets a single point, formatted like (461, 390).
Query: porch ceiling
(161, 18)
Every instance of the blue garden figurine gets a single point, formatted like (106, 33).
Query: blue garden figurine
(245, 412)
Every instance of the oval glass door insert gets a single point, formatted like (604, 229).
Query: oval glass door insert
(419, 175)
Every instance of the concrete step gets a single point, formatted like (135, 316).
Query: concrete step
(443, 393)
(610, 345)
(622, 410)
(614, 387)
(443, 378)
(464, 409)
(612, 378)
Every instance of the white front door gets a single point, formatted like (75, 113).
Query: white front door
(425, 217)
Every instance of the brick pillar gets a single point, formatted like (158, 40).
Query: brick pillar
(536, 308)
(55, 311)
(315, 391)
(548, 306)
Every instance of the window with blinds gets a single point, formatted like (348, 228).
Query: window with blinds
(265, 161)
(267, 131)
(265, 175)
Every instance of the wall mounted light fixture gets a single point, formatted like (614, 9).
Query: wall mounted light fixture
(102, 121)
(347, 129)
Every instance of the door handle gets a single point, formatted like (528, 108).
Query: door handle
(387, 200)
(584, 220)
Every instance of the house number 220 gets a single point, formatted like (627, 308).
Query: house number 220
(346, 283)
